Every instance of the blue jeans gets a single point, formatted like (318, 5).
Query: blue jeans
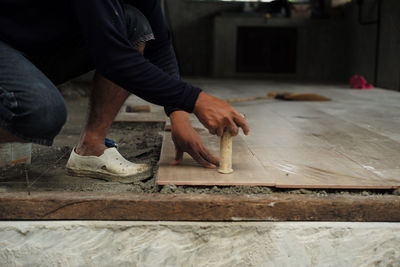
(31, 107)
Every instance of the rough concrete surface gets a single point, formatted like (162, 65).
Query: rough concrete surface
(139, 142)
(77, 243)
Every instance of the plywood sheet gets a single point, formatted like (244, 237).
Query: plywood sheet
(247, 169)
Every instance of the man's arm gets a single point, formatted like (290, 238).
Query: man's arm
(103, 26)
(215, 114)
(160, 51)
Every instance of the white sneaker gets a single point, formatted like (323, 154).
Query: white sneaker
(111, 166)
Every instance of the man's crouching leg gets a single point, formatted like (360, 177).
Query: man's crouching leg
(105, 101)
(31, 108)
(91, 157)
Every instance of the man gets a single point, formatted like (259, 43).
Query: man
(45, 42)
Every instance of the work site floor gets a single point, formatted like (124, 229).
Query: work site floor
(138, 142)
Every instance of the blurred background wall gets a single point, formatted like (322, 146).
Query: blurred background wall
(349, 44)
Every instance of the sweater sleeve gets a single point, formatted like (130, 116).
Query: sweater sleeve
(159, 51)
(103, 26)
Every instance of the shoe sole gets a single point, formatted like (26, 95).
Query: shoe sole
(111, 178)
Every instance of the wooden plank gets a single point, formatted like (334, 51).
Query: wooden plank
(317, 168)
(350, 142)
(380, 115)
(269, 129)
(157, 113)
(376, 154)
(303, 147)
(157, 116)
(247, 169)
(183, 207)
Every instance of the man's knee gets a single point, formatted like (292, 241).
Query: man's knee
(50, 118)
(41, 116)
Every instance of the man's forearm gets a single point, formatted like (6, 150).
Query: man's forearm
(179, 116)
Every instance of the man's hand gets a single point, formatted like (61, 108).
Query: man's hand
(217, 115)
(187, 140)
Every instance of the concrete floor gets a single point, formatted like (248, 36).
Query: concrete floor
(96, 243)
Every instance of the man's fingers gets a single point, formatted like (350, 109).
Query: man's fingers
(230, 125)
(197, 157)
(209, 157)
(242, 123)
(212, 130)
(220, 130)
(233, 129)
(178, 157)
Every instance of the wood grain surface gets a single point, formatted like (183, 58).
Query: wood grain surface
(247, 168)
(157, 116)
(183, 207)
(319, 150)
(351, 142)
(156, 113)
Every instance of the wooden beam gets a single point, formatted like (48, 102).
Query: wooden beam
(186, 207)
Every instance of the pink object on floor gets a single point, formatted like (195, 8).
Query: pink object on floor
(359, 82)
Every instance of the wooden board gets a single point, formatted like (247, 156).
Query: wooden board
(306, 148)
(157, 113)
(298, 147)
(183, 207)
(248, 170)
(317, 168)
(157, 116)
(354, 157)
(313, 145)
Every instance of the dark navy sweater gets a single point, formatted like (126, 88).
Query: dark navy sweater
(34, 26)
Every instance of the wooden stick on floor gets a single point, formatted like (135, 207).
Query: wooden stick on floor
(143, 108)
(225, 165)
